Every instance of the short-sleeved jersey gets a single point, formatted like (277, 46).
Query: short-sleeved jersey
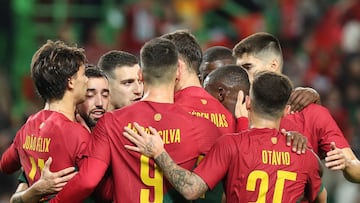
(46, 134)
(136, 177)
(316, 123)
(257, 166)
(198, 102)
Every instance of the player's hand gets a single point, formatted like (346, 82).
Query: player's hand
(335, 159)
(150, 145)
(50, 182)
(296, 140)
(240, 107)
(80, 120)
(302, 97)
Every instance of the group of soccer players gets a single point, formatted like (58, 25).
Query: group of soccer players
(235, 127)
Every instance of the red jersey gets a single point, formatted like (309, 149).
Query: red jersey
(198, 102)
(257, 166)
(136, 177)
(316, 123)
(45, 134)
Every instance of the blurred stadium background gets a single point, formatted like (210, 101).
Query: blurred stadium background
(320, 40)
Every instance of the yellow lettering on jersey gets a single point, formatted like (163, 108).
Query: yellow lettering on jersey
(168, 135)
(214, 119)
(38, 144)
(218, 119)
(200, 114)
(275, 158)
(224, 121)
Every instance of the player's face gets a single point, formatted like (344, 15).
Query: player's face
(252, 64)
(96, 102)
(126, 86)
(227, 95)
(208, 67)
(80, 83)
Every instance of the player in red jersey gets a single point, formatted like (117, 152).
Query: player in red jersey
(93, 108)
(58, 73)
(188, 93)
(262, 51)
(185, 136)
(256, 164)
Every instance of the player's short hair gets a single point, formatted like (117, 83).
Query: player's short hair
(270, 93)
(188, 48)
(230, 76)
(113, 59)
(217, 53)
(159, 61)
(261, 44)
(92, 71)
(51, 67)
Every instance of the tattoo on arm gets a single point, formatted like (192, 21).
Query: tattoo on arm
(149, 148)
(190, 185)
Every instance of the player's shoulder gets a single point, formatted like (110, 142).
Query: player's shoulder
(230, 141)
(314, 109)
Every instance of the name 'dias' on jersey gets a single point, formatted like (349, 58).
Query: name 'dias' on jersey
(218, 119)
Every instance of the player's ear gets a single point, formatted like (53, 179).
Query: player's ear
(275, 65)
(140, 75)
(248, 102)
(70, 82)
(180, 69)
(287, 110)
(220, 94)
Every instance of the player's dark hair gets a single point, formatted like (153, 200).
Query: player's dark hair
(230, 76)
(51, 67)
(114, 59)
(259, 44)
(159, 60)
(188, 48)
(270, 93)
(92, 71)
(217, 53)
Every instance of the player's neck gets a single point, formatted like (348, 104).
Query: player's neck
(188, 80)
(160, 94)
(263, 122)
(63, 106)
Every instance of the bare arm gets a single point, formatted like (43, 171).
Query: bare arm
(322, 197)
(302, 97)
(190, 185)
(345, 160)
(49, 183)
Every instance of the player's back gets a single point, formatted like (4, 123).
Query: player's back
(316, 123)
(49, 134)
(266, 170)
(198, 102)
(185, 138)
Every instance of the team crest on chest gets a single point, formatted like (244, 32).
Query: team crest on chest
(274, 140)
(203, 101)
(157, 117)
